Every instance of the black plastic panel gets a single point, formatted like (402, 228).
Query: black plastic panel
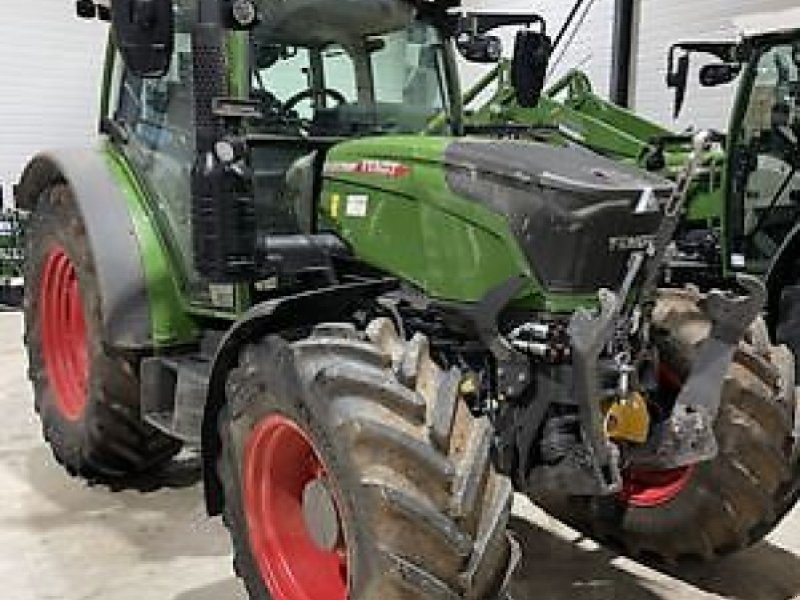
(223, 204)
(572, 211)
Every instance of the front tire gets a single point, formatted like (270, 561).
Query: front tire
(87, 397)
(393, 496)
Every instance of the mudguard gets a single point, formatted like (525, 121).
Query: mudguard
(118, 245)
(293, 312)
(781, 282)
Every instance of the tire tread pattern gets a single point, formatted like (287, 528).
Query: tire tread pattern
(434, 506)
(110, 441)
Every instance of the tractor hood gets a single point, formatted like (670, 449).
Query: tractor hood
(458, 217)
(576, 215)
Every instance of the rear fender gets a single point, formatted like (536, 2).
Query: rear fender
(140, 298)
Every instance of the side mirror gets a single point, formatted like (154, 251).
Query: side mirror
(144, 33)
(529, 67)
(678, 77)
(719, 74)
(480, 48)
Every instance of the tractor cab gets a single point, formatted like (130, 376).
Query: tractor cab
(763, 185)
(303, 78)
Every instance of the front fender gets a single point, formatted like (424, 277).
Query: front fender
(781, 271)
(273, 317)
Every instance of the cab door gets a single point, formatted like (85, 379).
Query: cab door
(153, 121)
(764, 181)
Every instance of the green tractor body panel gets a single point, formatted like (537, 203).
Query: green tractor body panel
(388, 198)
(170, 320)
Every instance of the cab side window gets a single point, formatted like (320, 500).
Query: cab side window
(157, 113)
(157, 117)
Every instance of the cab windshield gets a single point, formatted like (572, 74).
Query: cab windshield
(393, 83)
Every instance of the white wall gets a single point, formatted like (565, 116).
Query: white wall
(663, 22)
(590, 50)
(50, 69)
(660, 23)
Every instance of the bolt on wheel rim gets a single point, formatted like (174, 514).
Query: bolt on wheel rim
(63, 337)
(300, 550)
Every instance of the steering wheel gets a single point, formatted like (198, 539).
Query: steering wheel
(292, 102)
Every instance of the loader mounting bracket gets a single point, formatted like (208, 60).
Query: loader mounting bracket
(687, 436)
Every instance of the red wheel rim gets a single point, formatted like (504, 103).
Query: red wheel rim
(280, 462)
(647, 488)
(64, 348)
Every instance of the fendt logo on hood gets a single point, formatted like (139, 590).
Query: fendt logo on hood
(385, 168)
(628, 243)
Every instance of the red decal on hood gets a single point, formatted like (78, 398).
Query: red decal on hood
(385, 168)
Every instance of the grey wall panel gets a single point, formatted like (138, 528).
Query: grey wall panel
(662, 22)
(590, 50)
(50, 69)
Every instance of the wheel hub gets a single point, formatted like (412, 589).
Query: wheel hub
(321, 517)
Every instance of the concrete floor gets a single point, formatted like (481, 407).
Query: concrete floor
(63, 540)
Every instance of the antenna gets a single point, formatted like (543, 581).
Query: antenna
(568, 23)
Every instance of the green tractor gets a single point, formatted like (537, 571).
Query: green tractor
(11, 255)
(374, 336)
(741, 216)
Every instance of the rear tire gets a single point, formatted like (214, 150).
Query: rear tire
(87, 397)
(730, 502)
(422, 511)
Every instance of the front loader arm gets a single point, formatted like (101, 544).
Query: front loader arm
(580, 115)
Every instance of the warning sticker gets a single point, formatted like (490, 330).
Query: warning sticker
(357, 206)
(336, 201)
